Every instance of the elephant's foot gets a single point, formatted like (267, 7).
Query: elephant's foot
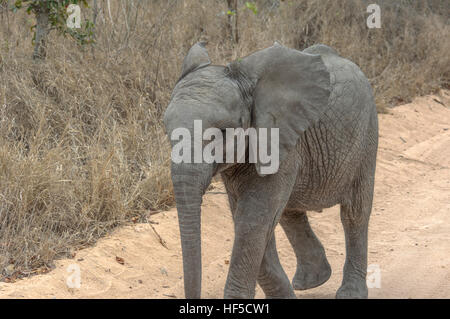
(277, 292)
(310, 276)
(238, 296)
(284, 295)
(277, 288)
(233, 291)
(355, 289)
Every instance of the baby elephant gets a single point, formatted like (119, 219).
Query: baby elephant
(319, 112)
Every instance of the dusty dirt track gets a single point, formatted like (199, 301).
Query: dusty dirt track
(409, 234)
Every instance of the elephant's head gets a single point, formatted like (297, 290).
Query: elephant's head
(276, 87)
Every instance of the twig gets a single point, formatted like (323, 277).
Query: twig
(437, 101)
(109, 12)
(161, 241)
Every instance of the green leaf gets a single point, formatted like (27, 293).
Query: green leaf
(18, 4)
(252, 7)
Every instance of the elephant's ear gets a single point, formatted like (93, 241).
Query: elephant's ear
(197, 57)
(291, 93)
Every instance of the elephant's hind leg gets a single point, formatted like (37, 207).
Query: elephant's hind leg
(355, 213)
(313, 268)
(272, 278)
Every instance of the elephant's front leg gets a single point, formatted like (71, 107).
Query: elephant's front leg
(255, 218)
(272, 278)
(251, 231)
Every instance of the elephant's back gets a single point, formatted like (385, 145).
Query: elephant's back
(350, 88)
(321, 49)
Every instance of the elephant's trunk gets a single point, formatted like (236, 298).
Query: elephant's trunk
(190, 182)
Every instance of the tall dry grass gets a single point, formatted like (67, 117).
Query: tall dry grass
(82, 147)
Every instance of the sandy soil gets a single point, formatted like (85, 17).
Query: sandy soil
(409, 230)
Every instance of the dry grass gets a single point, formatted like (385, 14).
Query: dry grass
(82, 148)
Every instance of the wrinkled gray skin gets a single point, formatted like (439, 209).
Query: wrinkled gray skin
(325, 111)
